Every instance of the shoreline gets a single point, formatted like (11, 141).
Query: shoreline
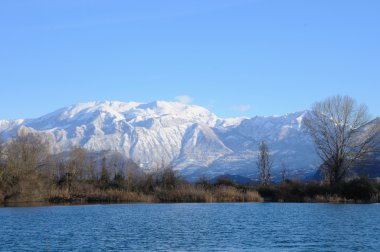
(49, 204)
(360, 191)
(179, 203)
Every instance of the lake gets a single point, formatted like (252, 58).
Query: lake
(192, 227)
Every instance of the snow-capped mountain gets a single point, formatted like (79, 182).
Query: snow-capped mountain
(188, 137)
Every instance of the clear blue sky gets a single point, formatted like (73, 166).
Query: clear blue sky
(235, 57)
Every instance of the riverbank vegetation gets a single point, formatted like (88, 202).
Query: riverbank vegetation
(30, 174)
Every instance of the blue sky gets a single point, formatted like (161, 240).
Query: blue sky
(235, 57)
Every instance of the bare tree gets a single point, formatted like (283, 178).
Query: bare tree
(104, 174)
(1, 148)
(78, 167)
(83, 164)
(2, 155)
(264, 163)
(2, 172)
(26, 159)
(284, 171)
(343, 135)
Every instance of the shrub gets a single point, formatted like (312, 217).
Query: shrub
(253, 196)
(269, 193)
(359, 190)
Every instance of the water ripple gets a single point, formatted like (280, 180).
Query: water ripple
(192, 227)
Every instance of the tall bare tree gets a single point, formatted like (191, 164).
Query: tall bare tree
(104, 174)
(2, 153)
(264, 163)
(283, 172)
(2, 172)
(1, 148)
(74, 169)
(343, 135)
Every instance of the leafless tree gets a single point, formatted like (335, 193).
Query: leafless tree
(284, 171)
(104, 173)
(2, 172)
(264, 163)
(1, 148)
(26, 159)
(343, 135)
(78, 167)
(84, 166)
(2, 155)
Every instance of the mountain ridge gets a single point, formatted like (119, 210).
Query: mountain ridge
(190, 138)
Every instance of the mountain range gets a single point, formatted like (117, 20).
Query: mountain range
(189, 138)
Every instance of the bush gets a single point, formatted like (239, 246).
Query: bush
(361, 189)
(269, 193)
(253, 196)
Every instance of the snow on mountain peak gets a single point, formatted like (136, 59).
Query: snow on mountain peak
(160, 133)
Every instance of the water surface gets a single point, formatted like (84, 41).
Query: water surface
(192, 227)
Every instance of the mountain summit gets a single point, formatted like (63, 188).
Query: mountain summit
(190, 138)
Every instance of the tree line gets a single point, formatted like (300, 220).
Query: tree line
(341, 130)
(30, 173)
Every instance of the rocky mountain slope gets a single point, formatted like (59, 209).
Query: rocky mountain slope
(190, 138)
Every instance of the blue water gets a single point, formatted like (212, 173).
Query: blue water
(192, 227)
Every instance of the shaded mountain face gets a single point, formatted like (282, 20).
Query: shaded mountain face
(189, 138)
